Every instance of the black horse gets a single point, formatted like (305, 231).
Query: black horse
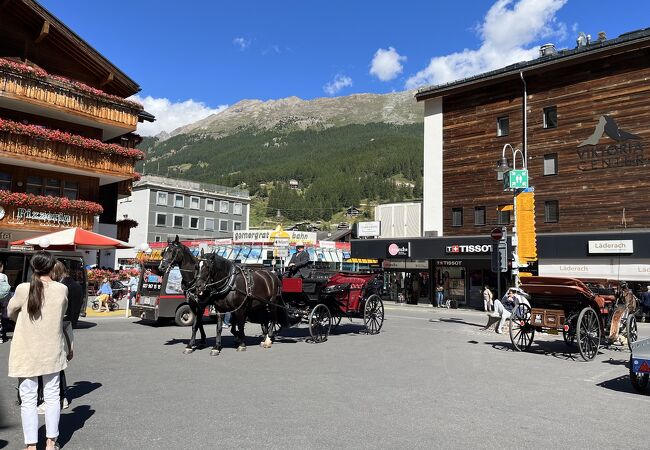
(246, 293)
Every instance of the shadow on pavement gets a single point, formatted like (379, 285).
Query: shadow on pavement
(460, 321)
(83, 324)
(81, 388)
(3, 443)
(71, 422)
(619, 384)
(555, 349)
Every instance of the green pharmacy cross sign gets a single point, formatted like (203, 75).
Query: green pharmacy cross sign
(516, 179)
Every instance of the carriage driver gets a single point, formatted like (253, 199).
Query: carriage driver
(299, 262)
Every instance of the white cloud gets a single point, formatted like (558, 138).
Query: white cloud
(170, 116)
(339, 82)
(507, 33)
(241, 42)
(386, 64)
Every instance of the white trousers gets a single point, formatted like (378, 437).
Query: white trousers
(501, 311)
(28, 396)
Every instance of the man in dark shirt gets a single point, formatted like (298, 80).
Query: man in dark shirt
(645, 303)
(299, 262)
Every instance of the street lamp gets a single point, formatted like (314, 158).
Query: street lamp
(519, 181)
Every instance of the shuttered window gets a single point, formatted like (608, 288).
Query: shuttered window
(550, 164)
(457, 217)
(479, 215)
(551, 211)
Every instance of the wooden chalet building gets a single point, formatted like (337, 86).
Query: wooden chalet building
(67, 142)
(583, 118)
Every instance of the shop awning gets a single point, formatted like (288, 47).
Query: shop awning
(73, 239)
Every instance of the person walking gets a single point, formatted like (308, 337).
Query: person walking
(38, 347)
(487, 299)
(133, 288)
(5, 295)
(645, 303)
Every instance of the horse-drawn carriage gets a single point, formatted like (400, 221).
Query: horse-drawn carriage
(587, 315)
(323, 300)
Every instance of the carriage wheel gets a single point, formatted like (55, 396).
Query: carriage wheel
(320, 323)
(521, 330)
(588, 333)
(631, 329)
(639, 380)
(373, 314)
(336, 320)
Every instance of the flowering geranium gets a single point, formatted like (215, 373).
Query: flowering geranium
(54, 204)
(137, 176)
(39, 73)
(129, 223)
(70, 139)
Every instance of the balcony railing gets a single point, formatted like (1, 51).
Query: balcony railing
(50, 92)
(37, 149)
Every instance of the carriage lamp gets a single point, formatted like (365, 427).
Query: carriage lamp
(44, 242)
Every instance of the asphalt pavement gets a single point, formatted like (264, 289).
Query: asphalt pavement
(431, 379)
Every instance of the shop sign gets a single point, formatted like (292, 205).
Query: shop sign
(399, 250)
(263, 236)
(447, 262)
(43, 216)
(406, 264)
(614, 246)
(460, 249)
(369, 229)
(604, 268)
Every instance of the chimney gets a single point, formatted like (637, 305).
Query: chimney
(602, 36)
(547, 50)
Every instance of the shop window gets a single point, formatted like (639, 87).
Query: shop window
(550, 164)
(161, 198)
(34, 185)
(551, 211)
(223, 206)
(5, 181)
(53, 187)
(194, 223)
(479, 215)
(179, 201)
(223, 225)
(503, 217)
(161, 219)
(209, 224)
(209, 204)
(457, 217)
(503, 126)
(550, 117)
(194, 202)
(71, 190)
(178, 221)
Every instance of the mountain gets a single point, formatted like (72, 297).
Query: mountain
(293, 113)
(343, 152)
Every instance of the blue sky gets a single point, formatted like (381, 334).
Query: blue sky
(196, 57)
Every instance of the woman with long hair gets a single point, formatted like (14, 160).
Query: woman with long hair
(38, 347)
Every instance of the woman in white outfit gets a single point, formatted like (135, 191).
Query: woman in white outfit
(38, 347)
(487, 299)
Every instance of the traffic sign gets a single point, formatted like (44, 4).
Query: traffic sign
(496, 234)
(516, 179)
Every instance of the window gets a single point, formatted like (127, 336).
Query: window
(194, 223)
(236, 208)
(161, 198)
(179, 201)
(34, 185)
(503, 126)
(236, 226)
(178, 221)
(209, 224)
(457, 217)
(550, 164)
(161, 219)
(195, 202)
(223, 225)
(223, 206)
(53, 187)
(550, 117)
(5, 181)
(157, 239)
(503, 217)
(71, 190)
(551, 211)
(479, 215)
(209, 204)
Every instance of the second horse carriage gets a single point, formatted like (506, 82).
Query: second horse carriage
(322, 300)
(588, 314)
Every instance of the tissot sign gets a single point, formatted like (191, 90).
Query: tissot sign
(398, 250)
(624, 149)
(468, 248)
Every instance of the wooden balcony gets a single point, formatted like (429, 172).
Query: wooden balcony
(39, 219)
(59, 100)
(60, 155)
